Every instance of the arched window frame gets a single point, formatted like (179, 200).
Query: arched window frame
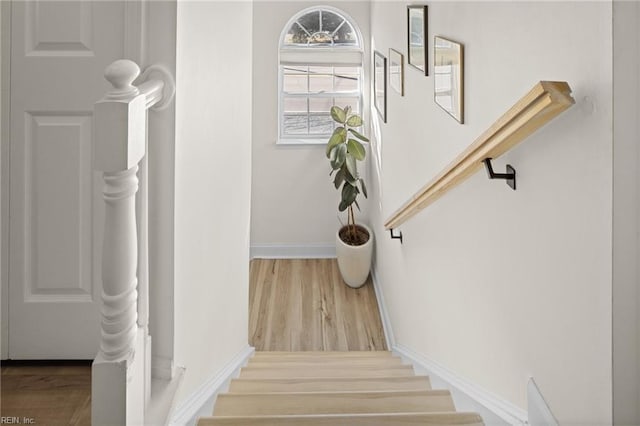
(350, 56)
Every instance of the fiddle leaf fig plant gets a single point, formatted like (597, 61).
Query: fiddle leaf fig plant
(344, 150)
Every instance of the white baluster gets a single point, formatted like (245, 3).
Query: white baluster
(119, 265)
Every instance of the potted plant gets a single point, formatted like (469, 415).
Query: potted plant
(354, 242)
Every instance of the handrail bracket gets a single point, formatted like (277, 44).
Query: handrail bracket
(396, 237)
(510, 176)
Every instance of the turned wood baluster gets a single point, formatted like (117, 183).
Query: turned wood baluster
(119, 264)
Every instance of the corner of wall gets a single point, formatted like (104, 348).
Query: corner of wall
(5, 68)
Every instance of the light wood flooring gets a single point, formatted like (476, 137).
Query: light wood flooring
(303, 305)
(52, 393)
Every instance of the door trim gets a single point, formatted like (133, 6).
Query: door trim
(5, 55)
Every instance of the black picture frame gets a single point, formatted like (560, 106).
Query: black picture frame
(380, 84)
(417, 31)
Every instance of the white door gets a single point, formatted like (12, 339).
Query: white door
(59, 51)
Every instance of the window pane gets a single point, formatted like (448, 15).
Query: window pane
(345, 35)
(320, 28)
(346, 82)
(294, 83)
(348, 70)
(319, 83)
(354, 103)
(322, 38)
(310, 22)
(295, 105)
(295, 124)
(320, 124)
(330, 21)
(320, 70)
(320, 104)
(296, 35)
(295, 69)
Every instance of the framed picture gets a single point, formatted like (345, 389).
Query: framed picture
(396, 71)
(417, 37)
(449, 73)
(380, 84)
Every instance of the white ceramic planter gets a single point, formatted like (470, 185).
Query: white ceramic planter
(354, 262)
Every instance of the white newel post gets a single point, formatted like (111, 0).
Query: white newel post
(121, 372)
(119, 138)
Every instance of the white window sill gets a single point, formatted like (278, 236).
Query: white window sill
(294, 141)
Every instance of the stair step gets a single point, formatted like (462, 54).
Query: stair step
(397, 419)
(250, 372)
(322, 354)
(260, 404)
(325, 359)
(351, 363)
(328, 384)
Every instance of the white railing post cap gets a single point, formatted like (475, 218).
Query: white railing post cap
(121, 74)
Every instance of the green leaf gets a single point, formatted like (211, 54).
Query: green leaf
(354, 121)
(339, 178)
(359, 135)
(348, 177)
(364, 188)
(338, 114)
(349, 194)
(337, 156)
(347, 110)
(342, 207)
(357, 205)
(350, 161)
(339, 136)
(356, 149)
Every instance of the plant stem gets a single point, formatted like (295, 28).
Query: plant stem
(351, 220)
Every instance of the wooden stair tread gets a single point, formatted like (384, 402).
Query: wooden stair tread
(329, 360)
(392, 419)
(327, 384)
(256, 404)
(344, 354)
(327, 371)
(351, 363)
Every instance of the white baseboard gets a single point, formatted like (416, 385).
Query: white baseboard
(382, 307)
(163, 395)
(200, 403)
(467, 396)
(293, 251)
(540, 413)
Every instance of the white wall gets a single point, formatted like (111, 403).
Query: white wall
(626, 104)
(493, 284)
(212, 188)
(293, 199)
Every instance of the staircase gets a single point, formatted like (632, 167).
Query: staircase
(333, 389)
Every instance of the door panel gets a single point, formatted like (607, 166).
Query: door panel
(58, 55)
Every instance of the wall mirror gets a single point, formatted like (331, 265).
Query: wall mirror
(448, 81)
(417, 37)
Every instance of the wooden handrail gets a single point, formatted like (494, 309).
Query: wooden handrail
(544, 102)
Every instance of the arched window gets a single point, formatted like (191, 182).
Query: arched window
(320, 66)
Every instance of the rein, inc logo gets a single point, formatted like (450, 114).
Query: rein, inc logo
(5, 420)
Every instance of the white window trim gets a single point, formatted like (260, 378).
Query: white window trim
(349, 56)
